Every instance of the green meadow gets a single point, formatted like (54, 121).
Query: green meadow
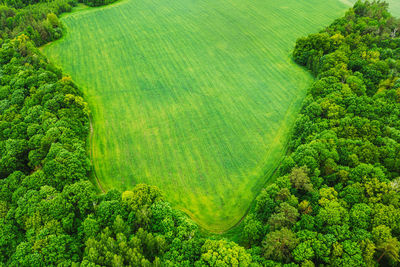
(195, 96)
(394, 7)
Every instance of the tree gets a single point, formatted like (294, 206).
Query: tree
(278, 245)
(285, 216)
(368, 250)
(300, 180)
(303, 252)
(360, 216)
(389, 248)
(223, 253)
(142, 196)
(53, 20)
(385, 243)
(265, 205)
(253, 230)
(105, 249)
(82, 196)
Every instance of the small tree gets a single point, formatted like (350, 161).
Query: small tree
(300, 180)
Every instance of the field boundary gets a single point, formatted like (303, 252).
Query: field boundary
(91, 152)
(206, 117)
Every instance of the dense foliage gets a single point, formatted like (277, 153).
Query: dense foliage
(337, 200)
(336, 203)
(39, 22)
(37, 19)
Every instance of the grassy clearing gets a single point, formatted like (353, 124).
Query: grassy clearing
(196, 97)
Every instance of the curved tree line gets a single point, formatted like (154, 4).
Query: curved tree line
(336, 202)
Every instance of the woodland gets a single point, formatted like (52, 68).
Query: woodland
(335, 201)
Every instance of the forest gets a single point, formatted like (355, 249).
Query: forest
(336, 201)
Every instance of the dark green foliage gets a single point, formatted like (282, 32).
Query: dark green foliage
(336, 203)
(344, 166)
(37, 19)
(39, 22)
(50, 213)
(97, 2)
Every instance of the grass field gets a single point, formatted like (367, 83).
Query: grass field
(394, 7)
(196, 97)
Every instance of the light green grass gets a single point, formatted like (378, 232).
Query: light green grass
(194, 96)
(394, 7)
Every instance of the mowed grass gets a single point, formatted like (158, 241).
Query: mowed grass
(194, 96)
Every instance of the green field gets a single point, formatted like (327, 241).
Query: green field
(196, 97)
(394, 7)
